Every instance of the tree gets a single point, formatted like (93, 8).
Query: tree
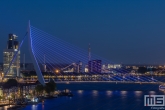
(39, 89)
(47, 89)
(10, 83)
(50, 87)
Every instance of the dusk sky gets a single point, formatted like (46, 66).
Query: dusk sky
(127, 31)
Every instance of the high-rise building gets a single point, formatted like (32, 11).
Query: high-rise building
(8, 54)
(94, 66)
(78, 68)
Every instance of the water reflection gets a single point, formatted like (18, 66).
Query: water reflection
(138, 93)
(80, 91)
(109, 93)
(95, 93)
(6, 107)
(123, 95)
(123, 92)
(42, 106)
(151, 92)
(34, 107)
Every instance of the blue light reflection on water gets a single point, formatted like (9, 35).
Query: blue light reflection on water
(100, 100)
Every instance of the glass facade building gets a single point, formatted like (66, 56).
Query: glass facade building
(8, 54)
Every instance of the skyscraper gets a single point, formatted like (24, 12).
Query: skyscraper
(8, 54)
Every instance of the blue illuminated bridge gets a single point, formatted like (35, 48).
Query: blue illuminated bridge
(63, 61)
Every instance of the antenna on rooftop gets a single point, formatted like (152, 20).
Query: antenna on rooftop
(44, 64)
(89, 52)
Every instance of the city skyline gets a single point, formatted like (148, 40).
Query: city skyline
(82, 54)
(114, 31)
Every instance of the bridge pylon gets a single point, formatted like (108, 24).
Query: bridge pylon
(33, 57)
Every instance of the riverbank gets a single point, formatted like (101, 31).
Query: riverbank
(94, 87)
(97, 100)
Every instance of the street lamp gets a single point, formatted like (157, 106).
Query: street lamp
(57, 71)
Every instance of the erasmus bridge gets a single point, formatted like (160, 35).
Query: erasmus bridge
(48, 50)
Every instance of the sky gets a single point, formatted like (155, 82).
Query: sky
(123, 31)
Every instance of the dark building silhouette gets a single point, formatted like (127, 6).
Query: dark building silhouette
(94, 66)
(12, 42)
